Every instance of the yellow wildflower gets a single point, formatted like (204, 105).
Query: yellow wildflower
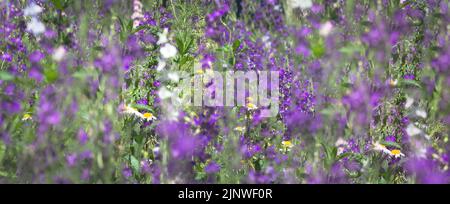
(393, 82)
(240, 129)
(287, 144)
(200, 71)
(251, 106)
(397, 153)
(26, 116)
(148, 116)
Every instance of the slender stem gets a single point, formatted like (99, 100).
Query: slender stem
(229, 30)
(3, 62)
(173, 10)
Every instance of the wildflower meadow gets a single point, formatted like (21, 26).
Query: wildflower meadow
(225, 91)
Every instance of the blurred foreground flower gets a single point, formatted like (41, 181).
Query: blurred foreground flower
(32, 10)
(303, 4)
(35, 26)
(168, 51)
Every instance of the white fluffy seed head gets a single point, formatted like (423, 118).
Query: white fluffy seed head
(32, 10)
(303, 4)
(35, 26)
(168, 51)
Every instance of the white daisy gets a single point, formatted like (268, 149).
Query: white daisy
(127, 109)
(381, 148)
(396, 153)
(148, 116)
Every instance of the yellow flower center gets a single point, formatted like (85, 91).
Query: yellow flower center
(287, 144)
(148, 115)
(395, 152)
(393, 82)
(200, 71)
(239, 128)
(26, 116)
(251, 106)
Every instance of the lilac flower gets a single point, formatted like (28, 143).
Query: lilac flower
(5, 137)
(85, 175)
(36, 56)
(182, 143)
(36, 74)
(146, 167)
(126, 172)
(427, 171)
(7, 57)
(207, 61)
(71, 159)
(82, 137)
(212, 168)
(390, 138)
(47, 114)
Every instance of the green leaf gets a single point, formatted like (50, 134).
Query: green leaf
(350, 49)
(344, 155)
(184, 43)
(318, 48)
(236, 45)
(139, 28)
(125, 28)
(391, 144)
(5, 76)
(98, 48)
(58, 4)
(347, 85)
(134, 163)
(122, 24)
(82, 74)
(51, 75)
(407, 82)
(143, 107)
(328, 111)
(130, 25)
(200, 176)
(2, 151)
(350, 5)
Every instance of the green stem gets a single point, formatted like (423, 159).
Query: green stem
(173, 10)
(3, 62)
